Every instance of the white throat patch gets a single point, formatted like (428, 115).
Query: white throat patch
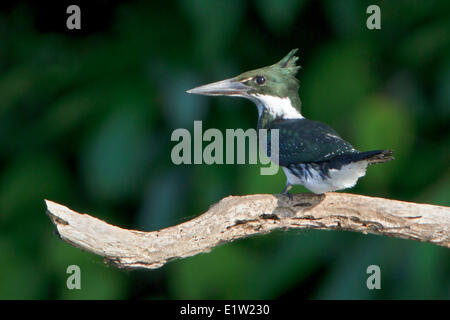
(277, 107)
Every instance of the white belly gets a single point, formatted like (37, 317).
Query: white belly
(345, 177)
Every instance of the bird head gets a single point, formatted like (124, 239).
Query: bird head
(273, 88)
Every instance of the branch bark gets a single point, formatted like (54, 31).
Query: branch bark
(236, 217)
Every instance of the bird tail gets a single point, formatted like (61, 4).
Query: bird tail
(376, 156)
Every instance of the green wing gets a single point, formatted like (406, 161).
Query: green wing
(303, 140)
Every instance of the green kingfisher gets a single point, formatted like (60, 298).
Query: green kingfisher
(311, 153)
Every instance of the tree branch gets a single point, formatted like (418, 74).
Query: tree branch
(237, 217)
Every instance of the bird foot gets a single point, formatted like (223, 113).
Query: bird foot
(285, 191)
(289, 195)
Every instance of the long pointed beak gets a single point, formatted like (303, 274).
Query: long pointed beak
(228, 87)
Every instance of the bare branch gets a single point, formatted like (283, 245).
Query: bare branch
(237, 217)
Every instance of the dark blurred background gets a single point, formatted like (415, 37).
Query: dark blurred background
(86, 118)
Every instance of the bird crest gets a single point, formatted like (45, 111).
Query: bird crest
(288, 63)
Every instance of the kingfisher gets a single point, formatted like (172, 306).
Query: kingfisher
(310, 152)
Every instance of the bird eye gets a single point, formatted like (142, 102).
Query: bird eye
(260, 80)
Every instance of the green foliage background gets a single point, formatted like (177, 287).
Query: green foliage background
(86, 119)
